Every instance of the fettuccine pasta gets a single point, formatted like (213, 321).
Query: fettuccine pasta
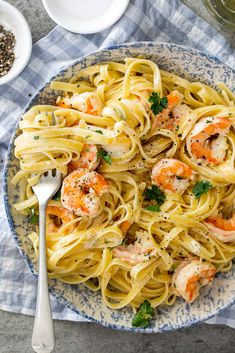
(146, 208)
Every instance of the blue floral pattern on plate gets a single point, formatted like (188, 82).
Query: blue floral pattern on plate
(190, 64)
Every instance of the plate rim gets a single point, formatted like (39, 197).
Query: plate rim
(10, 219)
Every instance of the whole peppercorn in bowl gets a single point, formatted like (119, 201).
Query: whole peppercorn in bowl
(7, 55)
(15, 42)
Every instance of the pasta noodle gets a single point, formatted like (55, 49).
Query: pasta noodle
(147, 126)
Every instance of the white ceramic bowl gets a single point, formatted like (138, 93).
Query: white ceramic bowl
(11, 19)
(85, 16)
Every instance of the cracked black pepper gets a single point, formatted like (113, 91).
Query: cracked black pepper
(7, 56)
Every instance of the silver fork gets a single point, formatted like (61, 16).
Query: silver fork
(43, 340)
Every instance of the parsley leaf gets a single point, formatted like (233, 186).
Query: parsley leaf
(201, 188)
(34, 217)
(57, 196)
(158, 104)
(99, 132)
(144, 315)
(125, 241)
(154, 193)
(104, 154)
(153, 208)
(107, 159)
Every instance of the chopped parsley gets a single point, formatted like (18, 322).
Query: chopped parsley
(57, 196)
(144, 315)
(105, 156)
(153, 208)
(36, 137)
(34, 218)
(154, 193)
(200, 188)
(125, 241)
(158, 103)
(99, 132)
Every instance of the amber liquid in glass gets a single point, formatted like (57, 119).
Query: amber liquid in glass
(229, 4)
(223, 10)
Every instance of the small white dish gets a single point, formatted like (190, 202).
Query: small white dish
(85, 16)
(11, 19)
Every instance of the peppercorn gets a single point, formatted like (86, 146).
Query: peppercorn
(7, 56)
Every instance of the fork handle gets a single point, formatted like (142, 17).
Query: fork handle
(43, 332)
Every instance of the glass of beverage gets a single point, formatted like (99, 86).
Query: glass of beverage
(223, 11)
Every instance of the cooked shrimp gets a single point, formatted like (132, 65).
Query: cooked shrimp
(87, 102)
(223, 229)
(167, 119)
(88, 159)
(180, 111)
(63, 216)
(172, 175)
(124, 226)
(141, 250)
(190, 276)
(208, 141)
(81, 192)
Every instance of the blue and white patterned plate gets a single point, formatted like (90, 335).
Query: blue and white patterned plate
(192, 65)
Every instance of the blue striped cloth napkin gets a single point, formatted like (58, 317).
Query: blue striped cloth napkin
(149, 20)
